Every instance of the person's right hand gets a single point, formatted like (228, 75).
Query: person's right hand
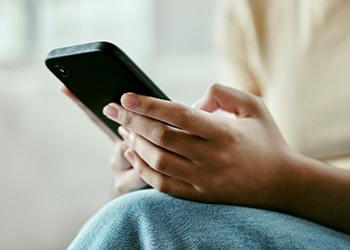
(126, 179)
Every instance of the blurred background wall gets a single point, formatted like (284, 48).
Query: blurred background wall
(54, 163)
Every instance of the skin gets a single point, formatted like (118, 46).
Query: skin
(193, 154)
(126, 178)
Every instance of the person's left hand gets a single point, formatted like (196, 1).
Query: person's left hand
(206, 157)
(126, 179)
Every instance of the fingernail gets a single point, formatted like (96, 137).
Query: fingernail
(129, 156)
(124, 132)
(111, 111)
(130, 100)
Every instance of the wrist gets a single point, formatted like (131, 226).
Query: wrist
(288, 181)
(316, 191)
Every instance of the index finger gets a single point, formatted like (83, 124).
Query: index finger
(194, 121)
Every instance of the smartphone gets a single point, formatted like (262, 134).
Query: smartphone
(100, 73)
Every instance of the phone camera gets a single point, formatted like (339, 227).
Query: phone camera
(61, 71)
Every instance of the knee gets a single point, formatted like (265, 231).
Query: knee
(132, 205)
(138, 201)
(121, 221)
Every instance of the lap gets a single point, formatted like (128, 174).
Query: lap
(149, 219)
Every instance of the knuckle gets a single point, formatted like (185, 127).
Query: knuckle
(151, 107)
(258, 103)
(228, 137)
(163, 136)
(119, 188)
(159, 163)
(185, 116)
(214, 88)
(231, 133)
(233, 137)
(125, 118)
(161, 186)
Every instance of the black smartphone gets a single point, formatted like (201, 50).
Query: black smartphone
(100, 73)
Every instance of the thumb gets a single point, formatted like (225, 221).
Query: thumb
(228, 99)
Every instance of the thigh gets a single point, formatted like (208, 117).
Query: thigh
(149, 219)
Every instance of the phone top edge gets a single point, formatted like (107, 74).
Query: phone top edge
(78, 49)
(113, 51)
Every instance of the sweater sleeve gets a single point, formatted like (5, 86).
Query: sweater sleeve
(231, 47)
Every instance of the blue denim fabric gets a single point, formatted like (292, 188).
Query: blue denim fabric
(152, 220)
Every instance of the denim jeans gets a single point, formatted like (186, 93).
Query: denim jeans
(149, 219)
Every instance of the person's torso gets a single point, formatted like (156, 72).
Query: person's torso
(299, 53)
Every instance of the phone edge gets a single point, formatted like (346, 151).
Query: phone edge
(113, 51)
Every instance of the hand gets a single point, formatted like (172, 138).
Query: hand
(126, 177)
(207, 157)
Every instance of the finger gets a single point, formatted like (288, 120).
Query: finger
(126, 178)
(159, 181)
(159, 133)
(118, 161)
(90, 114)
(162, 161)
(228, 99)
(196, 122)
(67, 92)
(128, 181)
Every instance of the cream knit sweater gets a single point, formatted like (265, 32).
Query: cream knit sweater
(296, 54)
